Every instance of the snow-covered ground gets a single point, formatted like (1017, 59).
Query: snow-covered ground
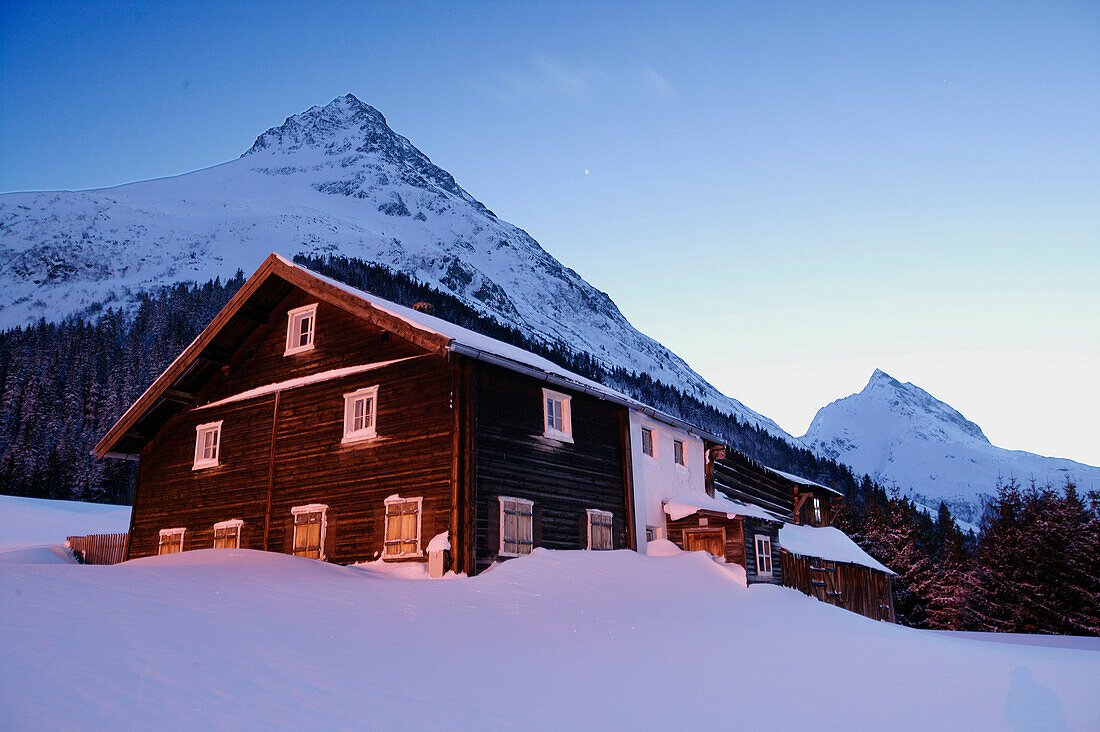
(36, 522)
(559, 640)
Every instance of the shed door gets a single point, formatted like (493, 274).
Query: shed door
(707, 540)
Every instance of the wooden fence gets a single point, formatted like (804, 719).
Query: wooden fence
(851, 586)
(99, 548)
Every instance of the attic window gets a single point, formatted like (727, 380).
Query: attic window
(648, 445)
(763, 555)
(171, 541)
(360, 413)
(599, 529)
(678, 452)
(557, 416)
(208, 438)
(301, 325)
(817, 510)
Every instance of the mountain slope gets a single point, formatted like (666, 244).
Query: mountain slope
(331, 180)
(900, 433)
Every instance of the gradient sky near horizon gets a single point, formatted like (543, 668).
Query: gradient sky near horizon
(789, 195)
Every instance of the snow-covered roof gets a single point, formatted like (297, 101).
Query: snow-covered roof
(690, 503)
(826, 542)
(476, 345)
(802, 481)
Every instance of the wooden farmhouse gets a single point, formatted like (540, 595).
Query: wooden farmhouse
(317, 420)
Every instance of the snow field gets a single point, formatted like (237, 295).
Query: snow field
(579, 640)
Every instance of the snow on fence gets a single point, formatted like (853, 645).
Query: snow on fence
(99, 548)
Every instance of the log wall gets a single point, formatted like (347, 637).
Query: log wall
(735, 533)
(513, 458)
(294, 454)
(851, 586)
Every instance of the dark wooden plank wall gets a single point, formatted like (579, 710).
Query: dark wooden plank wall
(563, 480)
(172, 495)
(752, 528)
(735, 534)
(412, 457)
(746, 480)
(860, 589)
(340, 339)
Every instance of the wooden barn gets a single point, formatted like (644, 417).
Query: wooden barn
(314, 419)
(814, 557)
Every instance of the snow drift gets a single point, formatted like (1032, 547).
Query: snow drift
(228, 639)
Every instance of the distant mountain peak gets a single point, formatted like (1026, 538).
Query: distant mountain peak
(897, 432)
(319, 127)
(909, 401)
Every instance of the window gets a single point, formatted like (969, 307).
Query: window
(648, 446)
(300, 327)
(208, 438)
(653, 533)
(763, 555)
(516, 521)
(171, 541)
(599, 529)
(817, 510)
(402, 527)
(678, 452)
(557, 416)
(227, 534)
(360, 411)
(309, 530)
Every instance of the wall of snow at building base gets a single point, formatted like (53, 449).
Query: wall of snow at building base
(659, 478)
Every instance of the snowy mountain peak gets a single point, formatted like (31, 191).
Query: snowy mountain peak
(914, 404)
(334, 179)
(898, 432)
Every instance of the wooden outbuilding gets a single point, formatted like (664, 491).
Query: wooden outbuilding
(315, 419)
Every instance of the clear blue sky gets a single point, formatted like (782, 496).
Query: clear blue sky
(787, 194)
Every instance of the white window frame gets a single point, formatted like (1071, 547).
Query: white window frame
(565, 434)
(817, 510)
(519, 502)
(419, 500)
(166, 533)
(682, 462)
(597, 513)
(652, 442)
(294, 331)
(231, 524)
(311, 508)
(367, 433)
(200, 432)
(761, 539)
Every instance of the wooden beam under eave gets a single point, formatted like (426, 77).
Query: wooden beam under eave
(215, 355)
(178, 396)
(122, 456)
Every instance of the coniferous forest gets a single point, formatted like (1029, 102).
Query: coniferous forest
(1033, 568)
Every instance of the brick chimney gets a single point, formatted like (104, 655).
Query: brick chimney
(424, 307)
